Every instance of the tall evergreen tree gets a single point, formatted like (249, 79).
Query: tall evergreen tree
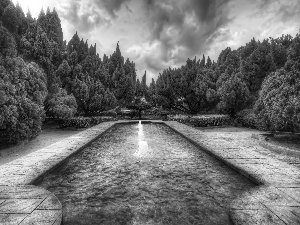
(10, 18)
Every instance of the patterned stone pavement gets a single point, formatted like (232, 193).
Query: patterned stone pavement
(275, 201)
(28, 204)
(25, 204)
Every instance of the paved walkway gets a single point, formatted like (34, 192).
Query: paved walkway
(24, 204)
(275, 201)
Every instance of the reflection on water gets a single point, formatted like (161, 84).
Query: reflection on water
(144, 174)
(143, 149)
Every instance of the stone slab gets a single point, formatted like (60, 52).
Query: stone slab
(22, 203)
(19, 205)
(277, 201)
(289, 215)
(255, 217)
(11, 219)
(44, 217)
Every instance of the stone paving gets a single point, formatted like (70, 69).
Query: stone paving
(275, 201)
(23, 203)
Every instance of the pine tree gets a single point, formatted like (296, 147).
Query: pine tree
(144, 86)
(138, 89)
(74, 44)
(10, 19)
(202, 63)
(208, 63)
(117, 58)
(3, 5)
(42, 21)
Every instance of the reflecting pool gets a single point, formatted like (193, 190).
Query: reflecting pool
(144, 174)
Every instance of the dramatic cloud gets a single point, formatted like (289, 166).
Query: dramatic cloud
(158, 34)
(184, 28)
(83, 17)
(112, 6)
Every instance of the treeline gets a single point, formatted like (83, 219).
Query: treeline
(259, 81)
(43, 75)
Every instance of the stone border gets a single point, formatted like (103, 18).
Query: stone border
(276, 201)
(23, 203)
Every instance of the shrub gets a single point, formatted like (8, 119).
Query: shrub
(22, 93)
(278, 104)
(247, 118)
(234, 95)
(61, 105)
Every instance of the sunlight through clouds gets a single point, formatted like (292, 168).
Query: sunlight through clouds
(160, 34)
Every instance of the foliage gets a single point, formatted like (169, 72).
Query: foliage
(233, 94)
(278, 106)
(139, 104)
(22, 94)
(202, 121)
(85, 122)
(100, 119)
(247, 118)
(77, 122)
(61, 105)
(69, 79)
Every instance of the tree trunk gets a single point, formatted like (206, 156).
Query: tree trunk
(140, 114)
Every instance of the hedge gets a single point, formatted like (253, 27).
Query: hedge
(202, 121)
(84, 122)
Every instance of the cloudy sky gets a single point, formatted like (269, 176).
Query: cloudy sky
(156, 34)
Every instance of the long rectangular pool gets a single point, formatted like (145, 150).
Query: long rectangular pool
(144, 174)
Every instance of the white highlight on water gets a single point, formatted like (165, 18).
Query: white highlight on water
(143, 148)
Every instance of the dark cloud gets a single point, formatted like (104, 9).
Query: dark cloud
(129, 10)
(84, 22)
(185, 29)
(207, 10)
(112, 6)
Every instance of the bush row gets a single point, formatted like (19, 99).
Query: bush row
(202, 121)
(84, 122)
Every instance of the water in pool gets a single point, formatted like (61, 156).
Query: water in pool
(144, 174)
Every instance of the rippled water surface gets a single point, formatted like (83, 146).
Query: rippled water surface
(144, 174)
